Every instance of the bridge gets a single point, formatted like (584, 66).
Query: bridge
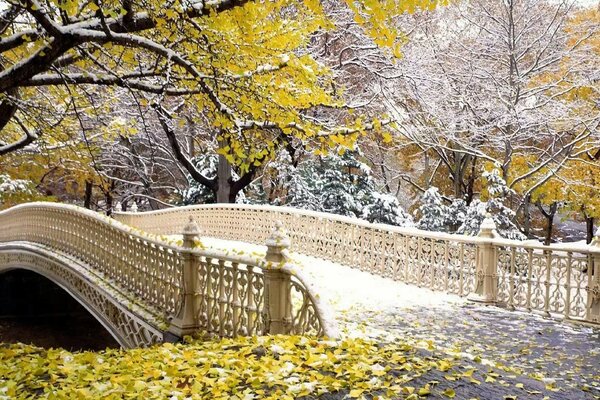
(145, 285)
(146, 289)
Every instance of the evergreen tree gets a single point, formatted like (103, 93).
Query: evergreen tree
(341, 184)
(384, 208)
(456, 215)
(346, 184)
(474, 216)
(502, 215)
(433, 211)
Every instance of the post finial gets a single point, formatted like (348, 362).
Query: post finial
(118, 207)
(488, 227)
(192, 228)
(279, 236)
(277, 242)
(134, 207)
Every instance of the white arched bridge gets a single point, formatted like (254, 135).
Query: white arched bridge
(146, 286)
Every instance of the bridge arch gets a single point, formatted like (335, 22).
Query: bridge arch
(101, 301)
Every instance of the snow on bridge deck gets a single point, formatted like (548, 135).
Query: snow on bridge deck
(557, 359)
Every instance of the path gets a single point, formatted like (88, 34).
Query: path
(501, 354)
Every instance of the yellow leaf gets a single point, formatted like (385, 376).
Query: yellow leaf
(449, 393)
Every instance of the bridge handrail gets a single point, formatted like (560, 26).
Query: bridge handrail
(558, 279)
(158, 272)
(147, 222)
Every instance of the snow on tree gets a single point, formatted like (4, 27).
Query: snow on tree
(336, 183)
(475, 215)
(384, 208)
(345, 184)
(455, 215)
(10, 186)
(433, 211)
(502, 215)
(15, 191)
(300, 189)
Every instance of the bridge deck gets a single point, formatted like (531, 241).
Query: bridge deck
(380, 308)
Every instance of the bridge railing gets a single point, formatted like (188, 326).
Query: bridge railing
(193, 287)
(136, 263)
(562, 280)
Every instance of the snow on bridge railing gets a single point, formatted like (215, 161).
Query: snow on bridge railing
(216, 291)
(562, 280)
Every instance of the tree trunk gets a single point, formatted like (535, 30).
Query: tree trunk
(87, 201)
(109, 202)
(457, 176)
(527, 216)
(549, 215)
(470, 192)
(549, 225)
(223, 194)
(589, 228)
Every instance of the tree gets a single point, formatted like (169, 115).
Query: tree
(195, 193)
(433, 212)
(456, 214)
(240, 61)
(15, 191)
(496, 194)
(384, 208)
(582, 187)
(476, 213)
(483, 81)
(336, 183)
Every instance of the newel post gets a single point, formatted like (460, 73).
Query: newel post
(186, 321)
(593, 306)
(278, 306)
(486, 289)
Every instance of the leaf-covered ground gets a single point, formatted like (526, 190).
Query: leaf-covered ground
(398, 342)
(276, 367)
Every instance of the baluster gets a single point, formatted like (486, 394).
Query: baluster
(447, 265)
(462, 271)
(251, 308)
(406, 240)
(419, 265)
(235, 298)
(209, 293)
(511, 279)
(432, 265)
(222, 298)
(568, 285)
(548, 254)
(529, 278)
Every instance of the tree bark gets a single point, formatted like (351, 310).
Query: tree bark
(223, 194)
(109, 202)
(589, 229)
(87, 201)
(549, 215)
(527, 216)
